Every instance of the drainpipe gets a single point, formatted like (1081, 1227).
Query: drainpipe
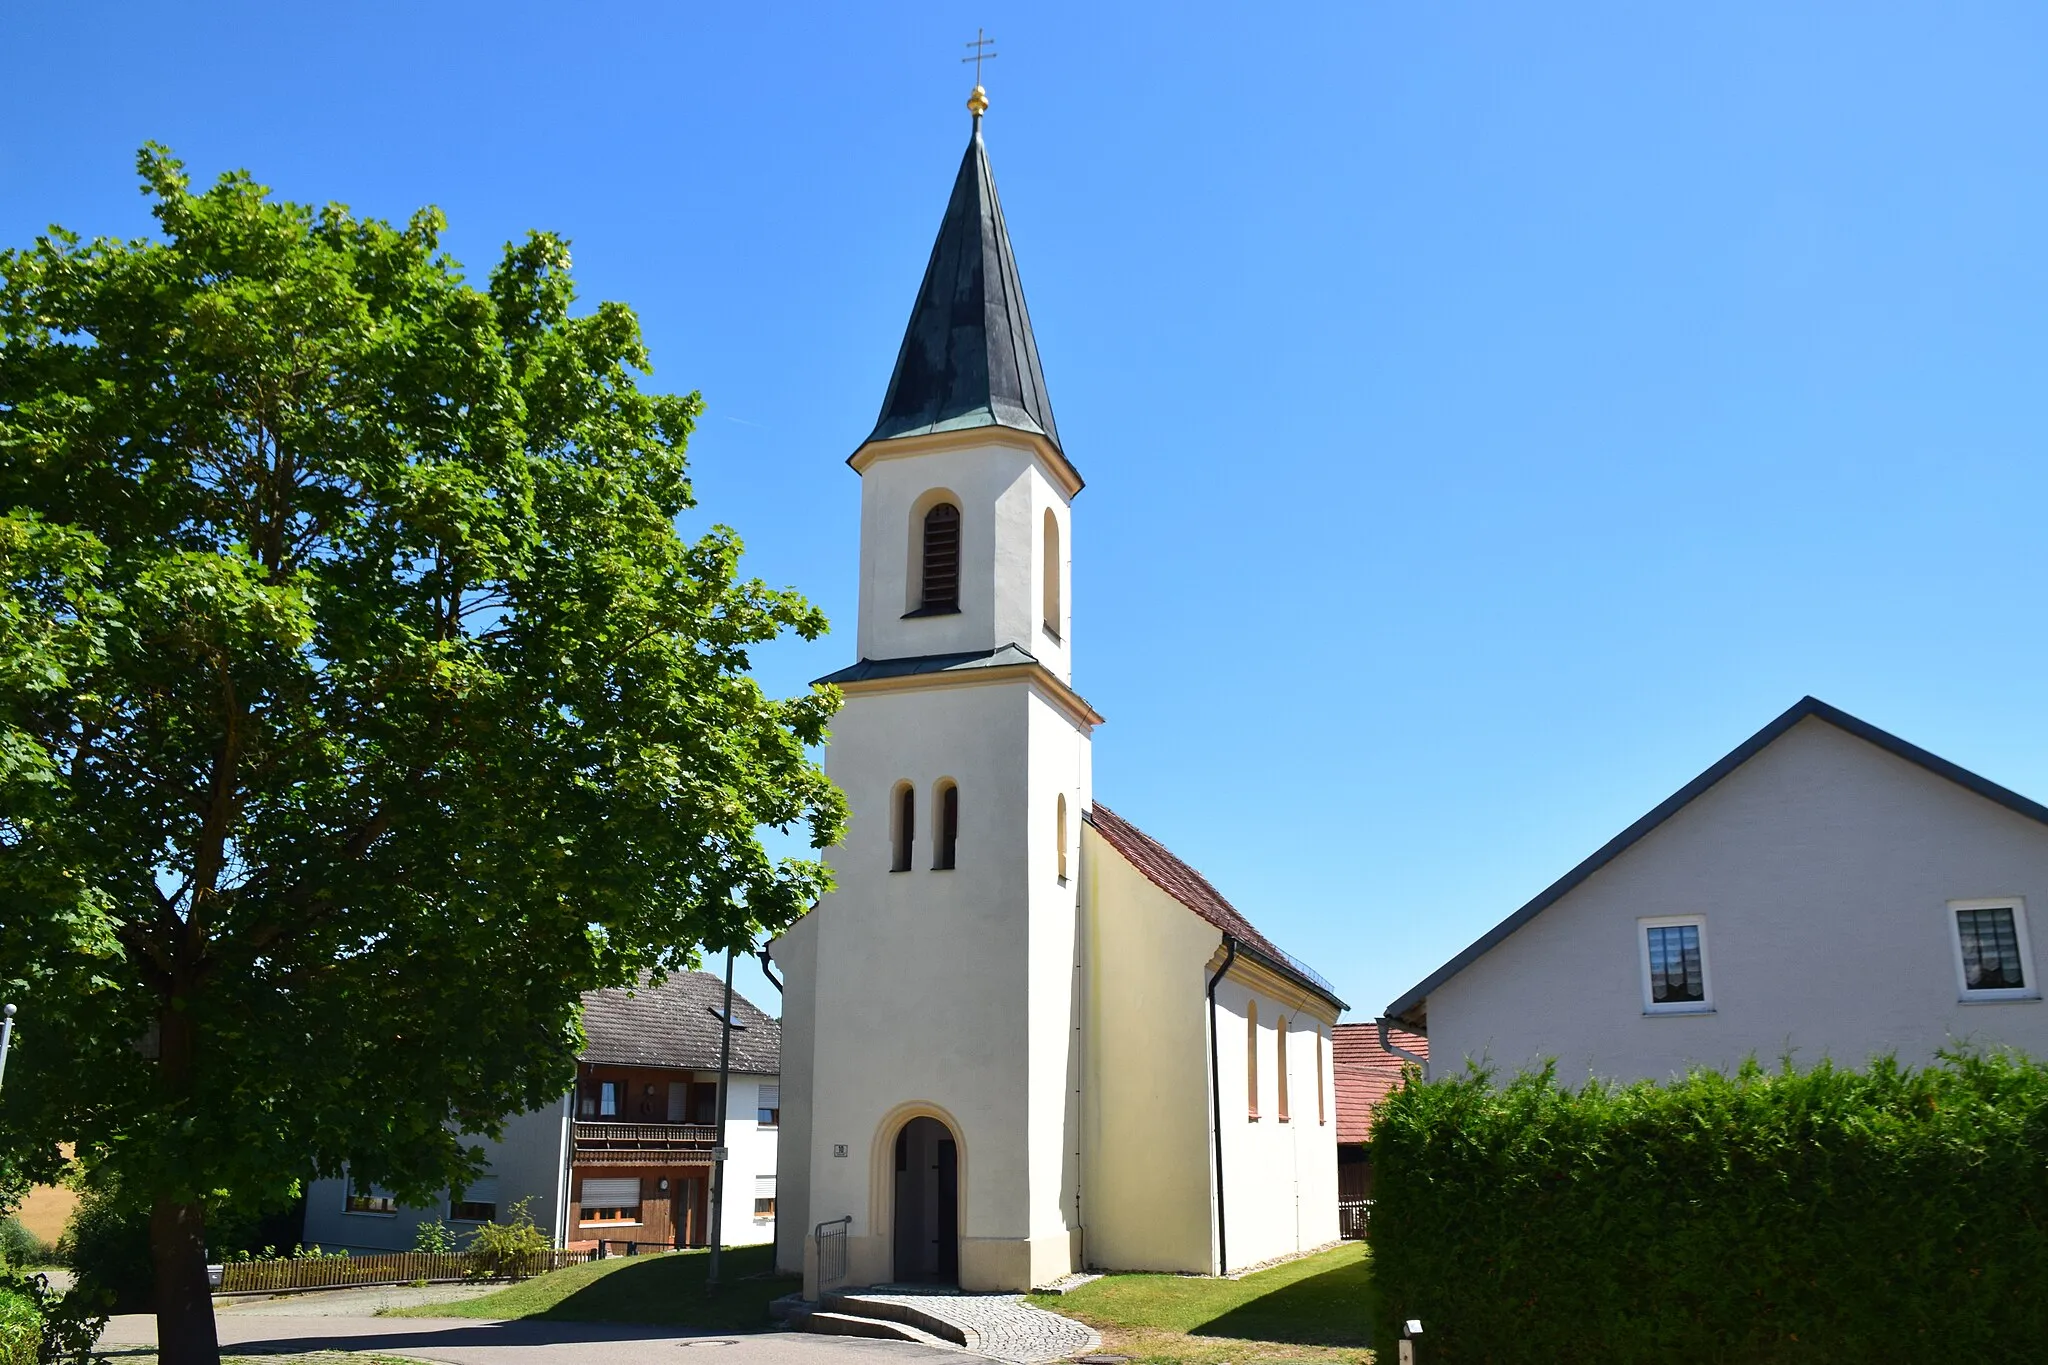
(768, 968)
(1387, 1045)
(1216, 1100)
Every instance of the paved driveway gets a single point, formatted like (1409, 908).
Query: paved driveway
(466, 1341)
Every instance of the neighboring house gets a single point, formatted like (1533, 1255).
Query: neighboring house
(1827, 890)
(1000, 1066)
(626, 1155)
(1366, 1072)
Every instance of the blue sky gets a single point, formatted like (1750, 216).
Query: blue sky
(1491, 414)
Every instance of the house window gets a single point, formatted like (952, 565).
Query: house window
(476, 1204)
(764, 1196)
(611, 1098)
(609, 1200)
(946, 838)
(904, 819)
(1994, 961)
(768, 1106)
(1251, 1059)
(1280, 1066)
(1059, 832)
(367, 1199)
(1674, 963)
(941, 577)
(1051, 591)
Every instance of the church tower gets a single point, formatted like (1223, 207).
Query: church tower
(931, 1069)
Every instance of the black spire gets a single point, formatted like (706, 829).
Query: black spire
(968, 357)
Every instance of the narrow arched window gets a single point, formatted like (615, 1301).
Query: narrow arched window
(904, 818)
(1322, 1115)
(941, 590)
(946, 838)
(1280, 1066)
(1052, 574)
(1059, 833)
(1251, 1059)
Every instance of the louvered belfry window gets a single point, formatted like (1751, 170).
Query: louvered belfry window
(941, 559)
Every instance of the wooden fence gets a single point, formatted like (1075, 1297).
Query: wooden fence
(401, 1267)
(1354, 1216)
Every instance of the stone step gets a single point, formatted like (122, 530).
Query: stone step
(899, 1309)
(831, 1323)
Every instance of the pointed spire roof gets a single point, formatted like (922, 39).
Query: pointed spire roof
(968, 358)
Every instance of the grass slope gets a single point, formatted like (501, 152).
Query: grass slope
(656, 1289)
(1316, 1309)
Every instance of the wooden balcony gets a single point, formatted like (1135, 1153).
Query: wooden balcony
(642, 1144)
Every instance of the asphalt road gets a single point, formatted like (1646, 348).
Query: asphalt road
(466, 1341)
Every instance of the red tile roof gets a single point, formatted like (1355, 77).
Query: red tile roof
(1366, 1073)
(1192, 889)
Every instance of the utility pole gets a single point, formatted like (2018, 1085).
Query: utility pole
(6, 1036)
(718, 1152)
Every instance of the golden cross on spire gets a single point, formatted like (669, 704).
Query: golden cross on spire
(977, 103)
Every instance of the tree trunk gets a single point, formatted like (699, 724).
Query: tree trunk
(184, 1303)
(183, 1300)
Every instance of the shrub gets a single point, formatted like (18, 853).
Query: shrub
(21, 1330)
(40, 1326)
(21, 1248)
(1814, 1217)
(107, 1243)
(511, 1250)
(434, 1237)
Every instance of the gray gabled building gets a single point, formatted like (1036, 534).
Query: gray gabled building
(1824, 890)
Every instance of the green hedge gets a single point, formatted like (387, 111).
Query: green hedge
(1820, 1216)
(21, 1330)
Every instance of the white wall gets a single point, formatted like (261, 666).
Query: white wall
(946, 991)
(1148, 1187)
(1003, 490)
(1279, 1178)
(1823, 867)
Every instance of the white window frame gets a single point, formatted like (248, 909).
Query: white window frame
(1651, 1005)
(1964, 994)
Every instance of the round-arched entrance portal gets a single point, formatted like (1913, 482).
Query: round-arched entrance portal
(927, 1204)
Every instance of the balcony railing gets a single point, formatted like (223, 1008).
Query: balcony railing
(639, 1143)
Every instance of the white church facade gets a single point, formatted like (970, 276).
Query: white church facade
(1021, 1038)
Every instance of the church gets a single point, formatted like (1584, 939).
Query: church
(1021, 1039)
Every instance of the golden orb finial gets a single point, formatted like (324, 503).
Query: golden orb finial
(977, 103)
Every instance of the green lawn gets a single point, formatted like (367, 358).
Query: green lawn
(667, 1288)
(1314, 1309)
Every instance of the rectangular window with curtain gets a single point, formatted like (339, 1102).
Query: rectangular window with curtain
(1992, 952)
(768, 1106)
(606, 1199)
(367, 1199)
(764, 1196)
(1676, 977)
(476, 1204)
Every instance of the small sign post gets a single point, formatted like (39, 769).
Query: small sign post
(721, 1154)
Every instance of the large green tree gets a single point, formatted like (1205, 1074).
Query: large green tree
(360, 704)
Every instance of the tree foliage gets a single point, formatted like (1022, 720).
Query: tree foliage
(360, 704)
(1819, 1216)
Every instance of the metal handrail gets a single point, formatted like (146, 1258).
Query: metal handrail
(832, 1250)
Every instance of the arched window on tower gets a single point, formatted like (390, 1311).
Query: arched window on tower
(1059, 833)
(1280, 1065)
(940, 591)
(903, 822)
(1051, 590)
(1322, 1114)
(946, 837)
(1251, 1059)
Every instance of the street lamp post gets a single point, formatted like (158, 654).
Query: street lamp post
(718, 1151)
(6, 1037)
